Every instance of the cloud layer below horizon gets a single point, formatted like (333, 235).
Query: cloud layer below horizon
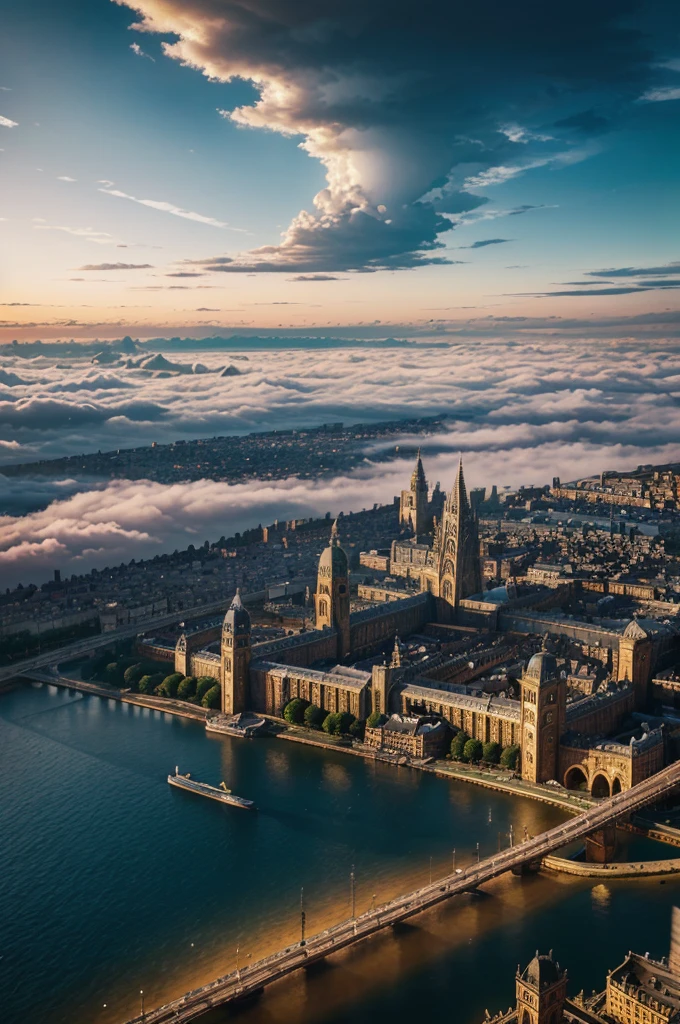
(526, 411)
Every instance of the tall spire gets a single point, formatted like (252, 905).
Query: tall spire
(335, 539)
(458, 497)
(418, 481)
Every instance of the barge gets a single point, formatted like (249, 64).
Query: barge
(220, 793)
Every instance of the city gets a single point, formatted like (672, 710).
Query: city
(339, 512)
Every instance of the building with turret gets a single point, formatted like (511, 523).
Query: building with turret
(641, 990)
(414, 505)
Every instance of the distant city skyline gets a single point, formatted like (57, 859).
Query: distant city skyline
(307, 165)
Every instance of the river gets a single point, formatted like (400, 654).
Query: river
(112, 882)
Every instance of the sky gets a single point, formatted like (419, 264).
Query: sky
(206, 165)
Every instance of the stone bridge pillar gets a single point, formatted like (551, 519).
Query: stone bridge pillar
(601, 845)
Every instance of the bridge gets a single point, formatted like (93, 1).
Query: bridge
(79, 648)
(251, 979)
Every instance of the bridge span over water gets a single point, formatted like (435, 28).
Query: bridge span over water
(251, 979)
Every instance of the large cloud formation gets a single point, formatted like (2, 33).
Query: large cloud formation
(411, 108)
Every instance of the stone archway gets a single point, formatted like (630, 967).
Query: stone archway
(576, 778)
(616, 786)
(600, 787)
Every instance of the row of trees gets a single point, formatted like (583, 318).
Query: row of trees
(147, 677)
(468, 750)
(341, 723)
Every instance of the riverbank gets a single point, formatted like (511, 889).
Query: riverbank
(636, 869)
(171, 707)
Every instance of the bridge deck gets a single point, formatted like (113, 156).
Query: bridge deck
(254, 977)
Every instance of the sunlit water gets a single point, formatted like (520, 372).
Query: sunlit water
(112, 882)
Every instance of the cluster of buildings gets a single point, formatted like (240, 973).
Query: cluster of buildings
(640, 990)
(653, 487)
(276, 454)
(513, 665)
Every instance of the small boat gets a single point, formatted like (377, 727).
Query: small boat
(221, 793)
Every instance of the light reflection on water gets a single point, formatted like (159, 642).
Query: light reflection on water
(109, 875)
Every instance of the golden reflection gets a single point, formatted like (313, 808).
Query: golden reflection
(601, 896)
(336, 775)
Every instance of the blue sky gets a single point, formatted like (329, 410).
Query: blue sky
(463, 165)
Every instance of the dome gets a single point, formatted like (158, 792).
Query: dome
(333, 558)
(542, 971)
(237, 619)
(542, 667)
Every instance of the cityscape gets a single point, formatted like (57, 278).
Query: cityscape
(340, 612)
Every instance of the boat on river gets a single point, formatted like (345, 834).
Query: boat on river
(221, 793)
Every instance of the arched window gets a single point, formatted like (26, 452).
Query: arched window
(323, 608)
(600, 786)
(616, 786)
(576, 778)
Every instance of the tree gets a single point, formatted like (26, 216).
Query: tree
(510, 756)
(314, 716)
(203, 684)
(331, 724)
(345, 720)
(113, 674)
(374, 720)
(213, 697)
(472, 751)
(357, 728)
(491, 752)
(294, 711)
(168, 687)
(458, 745)
(187, 688)
(133, 674)
(147, 684)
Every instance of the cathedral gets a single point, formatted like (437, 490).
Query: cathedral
(340, 665)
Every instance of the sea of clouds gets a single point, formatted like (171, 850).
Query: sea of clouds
(529, 410)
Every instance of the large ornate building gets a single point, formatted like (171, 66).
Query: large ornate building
(583, 741)
(640, 990)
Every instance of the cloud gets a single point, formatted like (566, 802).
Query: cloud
(5, 122)
(65, 177)
(116, 266)
(99, 237)
(316, 277)
(176, 211)
(482, 243)
(666, 268)
(186, 273)
(136, 48)
(381, 97)
(105, 182)
(661, 95)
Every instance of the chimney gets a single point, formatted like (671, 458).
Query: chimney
(674, 954)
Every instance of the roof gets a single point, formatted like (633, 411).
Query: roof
(498, 707)
(542, 972)
(237, 619)
(337, 676)
(542, 667)
(333, 557)
(642, 629)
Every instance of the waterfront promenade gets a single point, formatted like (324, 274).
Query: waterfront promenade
(249, 980)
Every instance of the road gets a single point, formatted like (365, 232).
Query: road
(254, 977)
(80, 648)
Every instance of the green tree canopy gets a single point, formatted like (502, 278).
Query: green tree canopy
(203, 684)
(213, 698)
(187, 688)
(357, 728)
(168, 687)
(113, 674)
(472, 751)
(294, 711)
(491, 752)
(375, 719)
(510, 756)
(458, 745)
(345, 720)
(331, 724)
(133, 674)
(314, 716)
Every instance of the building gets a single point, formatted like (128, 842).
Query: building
(416, 736)
(414, 506)
(640, 990)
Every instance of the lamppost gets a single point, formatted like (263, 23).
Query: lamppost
(352, 893)
(373, 903)
(478, 853)
(238, 969)
(303, 917)
(430, 870)
(453, 862)
(141, 992)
